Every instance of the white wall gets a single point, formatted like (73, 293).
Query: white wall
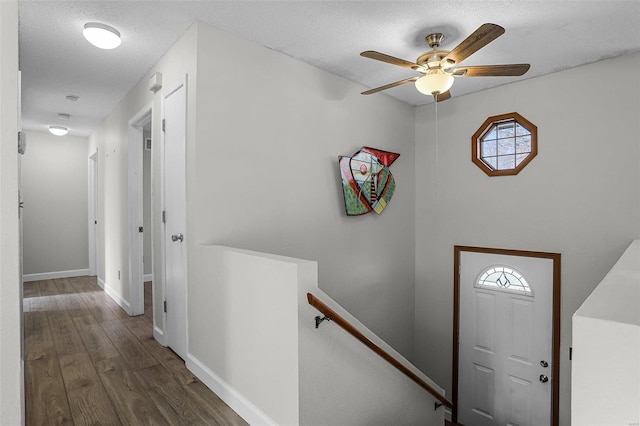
(580, 196)
(605, 374)
(243, 329)
(252, 337)
(111, 139)
(11, 366)
(264, 176)
(54, 191)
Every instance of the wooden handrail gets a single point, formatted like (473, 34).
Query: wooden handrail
(349, 328)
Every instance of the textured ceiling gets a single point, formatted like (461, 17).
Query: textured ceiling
(56, 60)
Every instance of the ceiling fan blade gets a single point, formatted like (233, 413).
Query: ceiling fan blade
(509, 70)
(389, 59)
(476, 41)
(443, 96)
(390, 85)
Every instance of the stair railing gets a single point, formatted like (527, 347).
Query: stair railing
(331, 315)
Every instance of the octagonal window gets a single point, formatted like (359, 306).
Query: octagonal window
(504, 144)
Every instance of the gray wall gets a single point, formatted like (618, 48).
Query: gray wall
(579, 197)
(54, 190)
(11, 364)
(264, 176)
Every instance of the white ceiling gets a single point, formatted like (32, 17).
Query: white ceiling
(56, 60)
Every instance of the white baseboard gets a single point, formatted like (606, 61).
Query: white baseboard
(54, 275)
(159, 335)
(147, 277)
(115, 296)
(241, 405)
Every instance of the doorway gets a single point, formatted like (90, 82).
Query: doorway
(137, 124)
(93, 214)
(506, 337)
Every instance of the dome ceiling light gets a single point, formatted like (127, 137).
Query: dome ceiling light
(58, 130)
(101, 35)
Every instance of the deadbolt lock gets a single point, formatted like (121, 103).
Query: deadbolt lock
(543, 363)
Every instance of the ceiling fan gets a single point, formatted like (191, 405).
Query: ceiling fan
(439, 67)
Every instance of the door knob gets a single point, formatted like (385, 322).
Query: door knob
(543, 378)
(177, 237)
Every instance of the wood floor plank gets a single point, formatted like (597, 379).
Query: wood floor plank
(87, 376)
(140, 327)
(171, 399)
(85, 284)
(127, 394)
(30, 289)
(75, 306)
(98, 309)
(47, 288)
(64, 286)
(128, 345)
(94, 338)
(38, 340)
(67, 339)
(170, 361)
(88, 400)
(45, 396)
(215, 407)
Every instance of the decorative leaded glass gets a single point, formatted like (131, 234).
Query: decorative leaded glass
(504, 278)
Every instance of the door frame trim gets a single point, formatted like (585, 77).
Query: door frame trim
(555, 371)
(93, 213)
(135, 193)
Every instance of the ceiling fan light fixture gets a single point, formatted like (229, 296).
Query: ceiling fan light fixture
(58, 130)
(434, 83)
(101, 35)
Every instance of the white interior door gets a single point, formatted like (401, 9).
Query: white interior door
(505, 340)
(175, 216)
(93, 214)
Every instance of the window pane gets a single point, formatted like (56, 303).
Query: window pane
(523, 144)
(506, 130)
(491, 135)
(520, 131)
(506, 146)
(489, 149)
(491, 162)
(520, 158)
(504, 278)
(506, 162)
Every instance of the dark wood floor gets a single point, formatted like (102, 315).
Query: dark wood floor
(87, 363)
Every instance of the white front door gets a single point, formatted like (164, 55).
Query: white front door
(175, 216)
(505, 340)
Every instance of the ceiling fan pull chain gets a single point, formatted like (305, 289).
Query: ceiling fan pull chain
(437, 156)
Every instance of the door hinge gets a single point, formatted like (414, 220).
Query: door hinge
(140, 229)
(165, 306)
(164, 124)
(164, 216)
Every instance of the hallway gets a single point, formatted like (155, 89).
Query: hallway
(88, 362)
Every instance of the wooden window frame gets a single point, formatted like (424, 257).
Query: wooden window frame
(476, 140)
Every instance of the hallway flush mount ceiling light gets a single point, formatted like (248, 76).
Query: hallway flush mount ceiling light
(58, 130)
(101, 35)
